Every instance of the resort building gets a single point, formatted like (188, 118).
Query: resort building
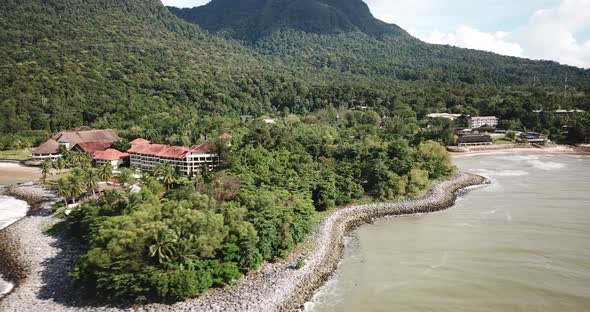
(188, 161)
(139, 141)
(47, 150)
(71, 138)
(92, 147)
(482, 121)
(534, 138)
(474, 139)
(111, 157)
(445, 115)
(88, 141)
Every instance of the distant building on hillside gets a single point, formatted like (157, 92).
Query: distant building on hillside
(445, 115)
(482, 121)
(188, 161)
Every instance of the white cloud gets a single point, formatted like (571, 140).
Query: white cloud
(468, 37)
(551, 33)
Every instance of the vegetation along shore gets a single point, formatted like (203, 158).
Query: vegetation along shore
(280, 286)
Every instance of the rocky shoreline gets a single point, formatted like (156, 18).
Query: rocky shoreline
(275, 287)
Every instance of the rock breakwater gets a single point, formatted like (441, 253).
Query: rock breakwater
(275, 287)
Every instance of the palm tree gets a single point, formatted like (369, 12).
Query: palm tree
(91, 180)
(163, 248)
(105, 172)
(46, 167)
(158, 171)
(76, 186)
(169, 176)
(64, 189)
(126, 176)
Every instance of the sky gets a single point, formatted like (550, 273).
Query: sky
(557, 30)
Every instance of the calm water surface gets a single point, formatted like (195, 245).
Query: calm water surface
(521, 244)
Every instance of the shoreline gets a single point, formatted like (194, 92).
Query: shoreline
(15, 266)
(44, 283)
(520, 149)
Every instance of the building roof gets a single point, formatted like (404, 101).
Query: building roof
(202, 148)
(92, 147)
(225, 136)
(173, 152)
(139, 141)
(485, 117)
(75, 137)
(110, 154)
(475, 138)
(49, 147)
(444, 115)
(159, 150)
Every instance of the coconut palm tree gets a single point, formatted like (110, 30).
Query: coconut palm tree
(126, 176)
(46, 167)
(105, 172)
(77, 187)
(64, 189)
(169, 176)
(91, 180)
(163, 247)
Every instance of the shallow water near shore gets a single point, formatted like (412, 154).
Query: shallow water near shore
(11, 210)
(520, 244)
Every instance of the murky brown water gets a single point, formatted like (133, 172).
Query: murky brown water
(521, 244)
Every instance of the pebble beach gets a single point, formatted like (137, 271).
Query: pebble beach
(39, 263)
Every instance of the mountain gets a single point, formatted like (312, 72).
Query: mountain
(344, 36)
(252, 19)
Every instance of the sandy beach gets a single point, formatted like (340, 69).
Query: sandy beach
(40, 263)
(14, 173)
(520, 149)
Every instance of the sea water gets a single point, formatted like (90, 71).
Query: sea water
(11, 210)
(520, 244)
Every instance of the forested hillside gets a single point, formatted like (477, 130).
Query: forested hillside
(134, 66)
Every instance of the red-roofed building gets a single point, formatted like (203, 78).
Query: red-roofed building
(71, 138)
(92, 147)
(188, 161)
(139, 141)
(83, 140)
(112, 157)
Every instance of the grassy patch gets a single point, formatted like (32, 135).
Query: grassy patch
(15, 155)
(503, 141)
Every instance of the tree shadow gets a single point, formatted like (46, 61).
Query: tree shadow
(56, 284)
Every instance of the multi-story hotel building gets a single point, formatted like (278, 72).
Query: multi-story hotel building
(478, 122)
(188, 161)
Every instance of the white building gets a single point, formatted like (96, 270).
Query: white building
(111, 157)
(445, 115)
(188, 161)
(481, 121)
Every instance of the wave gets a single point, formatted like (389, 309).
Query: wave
(502, 173)
(546, 165)
(11, 210)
